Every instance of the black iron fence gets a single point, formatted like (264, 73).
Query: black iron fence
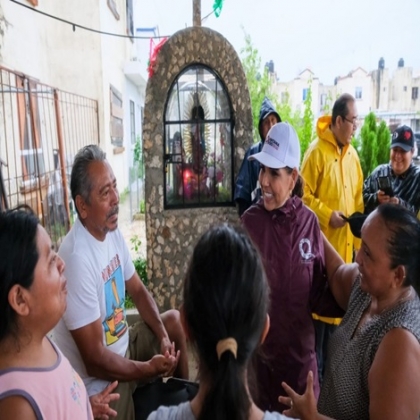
(41, 129)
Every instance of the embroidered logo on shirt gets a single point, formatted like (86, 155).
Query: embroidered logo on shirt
(305, 250)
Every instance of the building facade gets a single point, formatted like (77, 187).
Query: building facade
(104, 68)
(392, 96)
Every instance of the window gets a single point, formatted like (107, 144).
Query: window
(117, 115)
(132, 122)
(129, 14)
(304, 93)
(323, 99)
(198, 138)
(358, 92)
(34, 162)
(415, 93)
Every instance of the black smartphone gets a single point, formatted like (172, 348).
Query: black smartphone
(385, 185)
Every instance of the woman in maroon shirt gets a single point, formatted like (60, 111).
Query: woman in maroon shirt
(288, 236)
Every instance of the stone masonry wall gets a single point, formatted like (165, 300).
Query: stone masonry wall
(172, 234)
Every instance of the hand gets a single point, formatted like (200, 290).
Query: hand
(100, 402)
(301, 406)
(383, 198)
(164, 365)
(336, 220)
(166, 345)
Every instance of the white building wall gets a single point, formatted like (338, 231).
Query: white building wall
(50, 50)
(79, 61)
(326, 98)
(115, 52)
(400, 97)
(415, 103)
(380, 89)
(389, 96)
(355, 83)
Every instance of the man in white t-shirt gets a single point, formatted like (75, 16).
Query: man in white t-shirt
(93, 332)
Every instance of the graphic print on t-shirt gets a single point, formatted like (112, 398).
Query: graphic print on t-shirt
(115, 324)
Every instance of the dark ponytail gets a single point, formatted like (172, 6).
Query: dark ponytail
(298, 188)
(404, 241)
(225, 296)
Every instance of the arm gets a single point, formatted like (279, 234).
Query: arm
(322, 301)
(83, 320)
(340, 276)
(16, 407)
(394, 378)
(147, 308)
(105, 364)
(410, 185)
(370, 193)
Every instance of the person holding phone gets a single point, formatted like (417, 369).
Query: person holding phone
(398, 181)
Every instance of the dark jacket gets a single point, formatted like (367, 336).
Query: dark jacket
(290, 242)
(247, 190)
(406, 187)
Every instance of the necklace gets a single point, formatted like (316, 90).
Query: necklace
(405, 296)
(368, 317)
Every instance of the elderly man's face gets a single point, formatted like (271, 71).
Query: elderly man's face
(100, 215)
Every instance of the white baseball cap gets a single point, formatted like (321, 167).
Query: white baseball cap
(281, 148)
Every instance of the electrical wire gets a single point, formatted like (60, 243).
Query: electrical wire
(76, 25)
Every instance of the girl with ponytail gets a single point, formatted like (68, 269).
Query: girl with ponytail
(225, 317)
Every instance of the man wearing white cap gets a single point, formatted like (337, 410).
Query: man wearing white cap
(289, 239)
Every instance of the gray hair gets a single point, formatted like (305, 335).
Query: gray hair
(80, 182)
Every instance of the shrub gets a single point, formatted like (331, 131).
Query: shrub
(140, 265)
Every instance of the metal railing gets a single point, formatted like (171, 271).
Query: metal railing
(41, 129)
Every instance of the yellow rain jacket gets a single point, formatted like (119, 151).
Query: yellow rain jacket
(333, 181)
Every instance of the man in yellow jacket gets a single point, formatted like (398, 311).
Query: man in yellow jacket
(333, 188)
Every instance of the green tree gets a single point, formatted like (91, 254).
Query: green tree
(305, 128)
(259, 85)
(383, 140)
(373, 144)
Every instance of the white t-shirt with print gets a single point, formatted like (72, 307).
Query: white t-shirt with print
(96, 273)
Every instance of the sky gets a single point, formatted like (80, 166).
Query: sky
(331, 37)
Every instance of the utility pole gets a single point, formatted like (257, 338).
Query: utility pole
(196, 12)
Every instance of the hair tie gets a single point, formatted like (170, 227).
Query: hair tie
(226, 344)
